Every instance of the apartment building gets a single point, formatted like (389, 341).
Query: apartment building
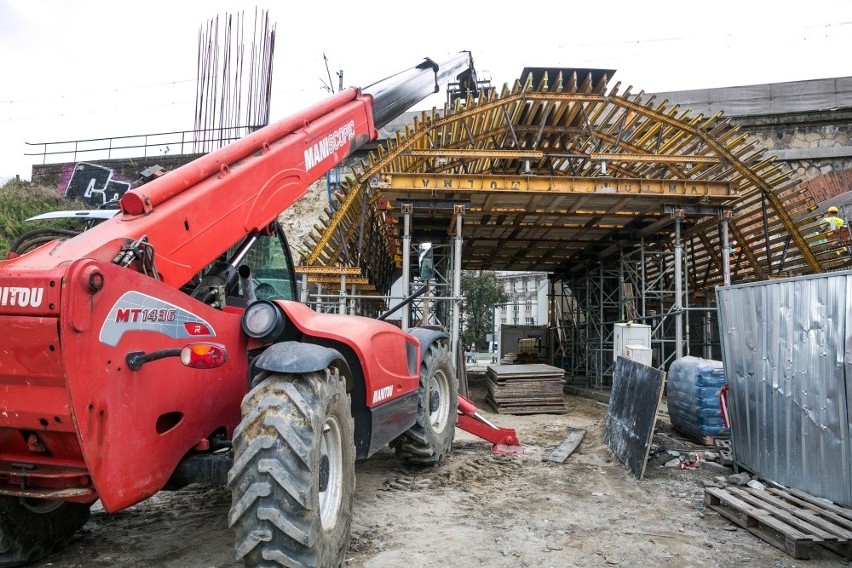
(527, 299)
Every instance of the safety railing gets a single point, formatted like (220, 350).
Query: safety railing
(139, 145)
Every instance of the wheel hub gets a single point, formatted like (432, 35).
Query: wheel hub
(330, 474)
(439, 400)
(323, 472)
(434, 401)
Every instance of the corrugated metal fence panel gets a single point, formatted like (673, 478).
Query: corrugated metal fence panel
(787, 353)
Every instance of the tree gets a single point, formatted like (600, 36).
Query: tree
(481, 292)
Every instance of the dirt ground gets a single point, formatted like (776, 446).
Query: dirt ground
(475, 509)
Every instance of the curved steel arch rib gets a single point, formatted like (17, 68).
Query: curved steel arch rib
(560, 175)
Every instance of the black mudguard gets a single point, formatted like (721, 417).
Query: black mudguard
(427, 336)
(293, 357)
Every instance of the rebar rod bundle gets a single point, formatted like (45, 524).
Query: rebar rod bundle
(233, 89)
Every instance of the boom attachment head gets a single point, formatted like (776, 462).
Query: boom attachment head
(504, 441)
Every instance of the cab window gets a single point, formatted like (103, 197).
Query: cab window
(271, 268)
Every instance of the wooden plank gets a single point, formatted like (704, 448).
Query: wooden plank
(522, 379)
(525, 389)
(525, 370)
(526, 409)
(819, 512)
(802, 520)
(561, 452)
(811, 514)
(509, 371)
(499, 397)
(519, 386)
(785, 537)
(758, 514)
(822, 504)
(555, 397)
(632, 412)
(503, 401)
(532, 410)
(827, 514)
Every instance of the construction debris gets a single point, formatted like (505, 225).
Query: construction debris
(525, 389)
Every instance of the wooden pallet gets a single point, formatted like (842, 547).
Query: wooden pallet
(789, 519)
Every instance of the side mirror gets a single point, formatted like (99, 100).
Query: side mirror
(425, 261)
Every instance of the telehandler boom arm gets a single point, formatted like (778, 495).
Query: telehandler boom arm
(192, 215)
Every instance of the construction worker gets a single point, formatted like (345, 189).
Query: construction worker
(832, 221)
(734, 251)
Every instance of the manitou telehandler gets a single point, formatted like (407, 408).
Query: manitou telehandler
(164, 346)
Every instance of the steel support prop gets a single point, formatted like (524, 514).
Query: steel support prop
(305, 295)
(342, 300)
(457, 268)
(406, 262)
(678, 302)
(726, 255)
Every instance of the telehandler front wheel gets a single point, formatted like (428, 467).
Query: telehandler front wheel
(30, 529)
(431, 437)
(293, 478)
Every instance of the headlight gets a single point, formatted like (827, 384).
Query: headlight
(263, 320)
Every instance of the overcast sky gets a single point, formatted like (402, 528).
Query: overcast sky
(75, 69)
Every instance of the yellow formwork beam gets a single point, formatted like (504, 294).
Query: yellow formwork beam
(429, 183)
(538, 155)
(360, 281)
(329, 270)
(490, 154)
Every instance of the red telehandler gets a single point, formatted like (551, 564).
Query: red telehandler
(164, 346)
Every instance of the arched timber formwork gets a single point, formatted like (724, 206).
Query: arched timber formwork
(557, 174)
(561, 174)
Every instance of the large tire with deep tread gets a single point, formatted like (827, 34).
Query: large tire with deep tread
(431, 437)
(31, 529)
(293, 478)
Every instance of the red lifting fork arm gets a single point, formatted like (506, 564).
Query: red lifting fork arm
(503, 440)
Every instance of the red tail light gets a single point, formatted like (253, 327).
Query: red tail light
(203, 355)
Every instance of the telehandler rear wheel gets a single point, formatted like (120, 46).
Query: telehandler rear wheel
(431, 437)
(293, 478)
(30, 529)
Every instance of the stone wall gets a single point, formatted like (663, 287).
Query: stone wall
(812, 144)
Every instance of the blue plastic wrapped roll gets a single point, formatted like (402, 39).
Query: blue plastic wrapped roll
(693, 385)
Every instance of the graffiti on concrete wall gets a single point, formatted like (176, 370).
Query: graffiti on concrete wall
(93, 184)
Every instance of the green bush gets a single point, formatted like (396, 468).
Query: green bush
(20, 200)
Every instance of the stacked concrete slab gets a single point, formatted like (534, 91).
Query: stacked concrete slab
(525, 389)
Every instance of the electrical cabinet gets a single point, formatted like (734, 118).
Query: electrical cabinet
(629, 334)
